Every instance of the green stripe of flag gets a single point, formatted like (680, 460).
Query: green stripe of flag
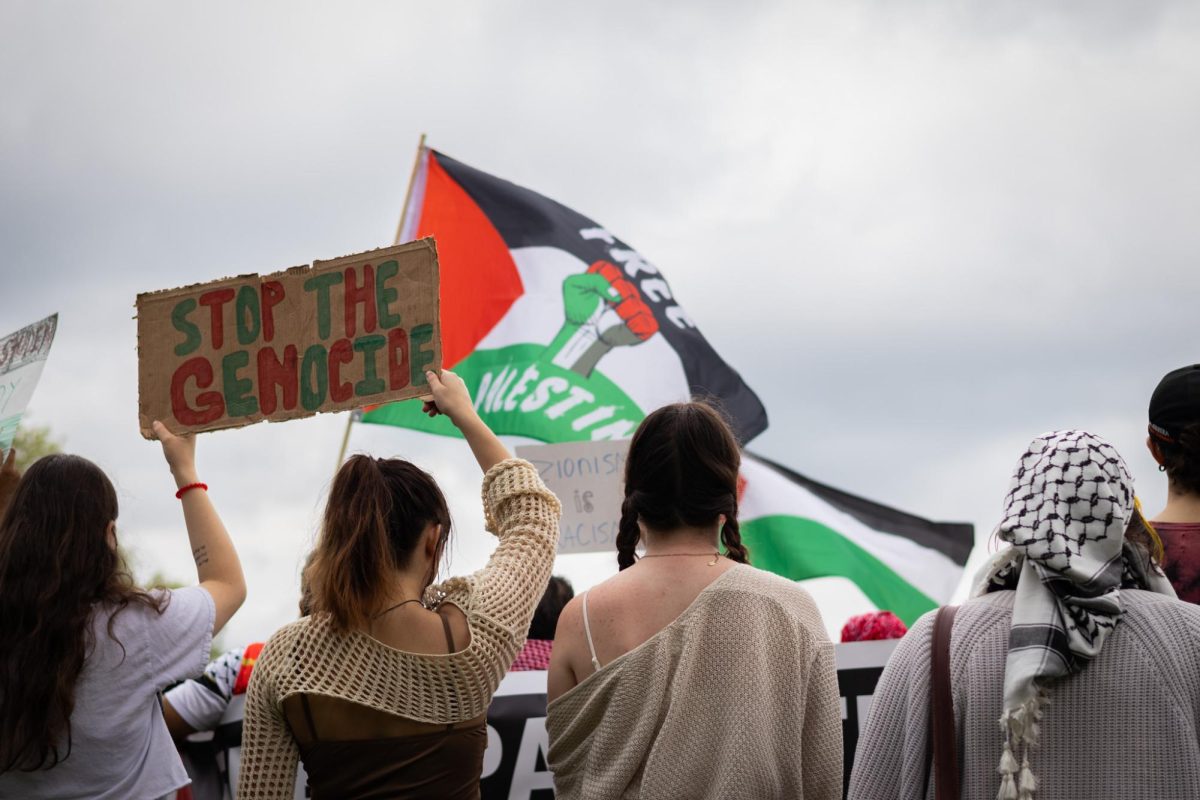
(799, 549)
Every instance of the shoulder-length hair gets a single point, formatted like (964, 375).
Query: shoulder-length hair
(378, 510)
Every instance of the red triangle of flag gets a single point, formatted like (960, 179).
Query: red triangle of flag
(479, 281)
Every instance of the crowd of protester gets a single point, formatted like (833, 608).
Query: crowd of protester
(1072, 671)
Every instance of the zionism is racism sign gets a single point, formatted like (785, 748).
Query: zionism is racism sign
(792, 525)
(336, 335)
(562, 331)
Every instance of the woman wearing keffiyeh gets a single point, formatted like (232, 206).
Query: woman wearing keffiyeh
(1085, 621)
(1065, 516)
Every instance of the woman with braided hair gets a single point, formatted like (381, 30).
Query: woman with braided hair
(691, 673)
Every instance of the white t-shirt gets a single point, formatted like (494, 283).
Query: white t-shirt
(201, 703)
(120, 747)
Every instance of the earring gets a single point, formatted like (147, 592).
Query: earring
(1162, 467)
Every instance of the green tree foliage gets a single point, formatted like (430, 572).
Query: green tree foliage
(32, 442)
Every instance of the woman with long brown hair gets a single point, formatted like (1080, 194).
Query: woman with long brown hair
(383, 690)
(690, 673)
(83, 651)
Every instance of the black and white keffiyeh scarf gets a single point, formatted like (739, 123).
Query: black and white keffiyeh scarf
(1066, 514)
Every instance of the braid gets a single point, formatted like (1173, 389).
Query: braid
(628, 534)
(731, 537)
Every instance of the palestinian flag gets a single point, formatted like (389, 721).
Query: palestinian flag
(561, 331)
(802, 529)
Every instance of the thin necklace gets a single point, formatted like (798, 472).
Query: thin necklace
(716, 556)
(393, 608)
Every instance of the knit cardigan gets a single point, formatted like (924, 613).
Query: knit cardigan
(737, 698)
(1127, 726)
(308, 656)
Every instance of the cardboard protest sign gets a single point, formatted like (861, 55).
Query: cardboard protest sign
(588, 478)
(22, 356)
(337, 335)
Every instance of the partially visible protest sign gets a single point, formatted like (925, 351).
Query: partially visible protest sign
(588, 478)
(859, 667)
(22, 356)
(356, 331)
(514, 764)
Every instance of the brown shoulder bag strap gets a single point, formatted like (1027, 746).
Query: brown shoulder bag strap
(941, 709)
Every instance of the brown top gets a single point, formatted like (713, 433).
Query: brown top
(358, 765)
(1181, 559)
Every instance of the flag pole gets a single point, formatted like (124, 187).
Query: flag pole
(408, 195)
(412, 179)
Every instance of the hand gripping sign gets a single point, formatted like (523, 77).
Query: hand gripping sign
(337, 335)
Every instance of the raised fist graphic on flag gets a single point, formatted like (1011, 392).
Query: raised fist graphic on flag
(603, 310)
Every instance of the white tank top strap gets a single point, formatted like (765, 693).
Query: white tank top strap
(587, 630)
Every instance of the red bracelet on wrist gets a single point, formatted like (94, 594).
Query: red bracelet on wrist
(185, 489)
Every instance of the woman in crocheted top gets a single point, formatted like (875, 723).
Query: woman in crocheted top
(383, 690)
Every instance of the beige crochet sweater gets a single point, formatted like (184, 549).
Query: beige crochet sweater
(737, 698)
(307, 656)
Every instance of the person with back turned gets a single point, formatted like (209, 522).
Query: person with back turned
(83, 651)
(1072, 672)
(1174, 441)
(691, 673)
(383, 690)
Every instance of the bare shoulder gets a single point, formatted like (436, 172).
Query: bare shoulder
(570, 621)
(620, 587)
(460, 627)
(566, 660)
(570, 636)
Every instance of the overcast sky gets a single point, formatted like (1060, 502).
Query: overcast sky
(923, 232)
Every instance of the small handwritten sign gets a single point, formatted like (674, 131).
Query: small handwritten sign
(342, 334)
(588, 478)
(22, 356)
